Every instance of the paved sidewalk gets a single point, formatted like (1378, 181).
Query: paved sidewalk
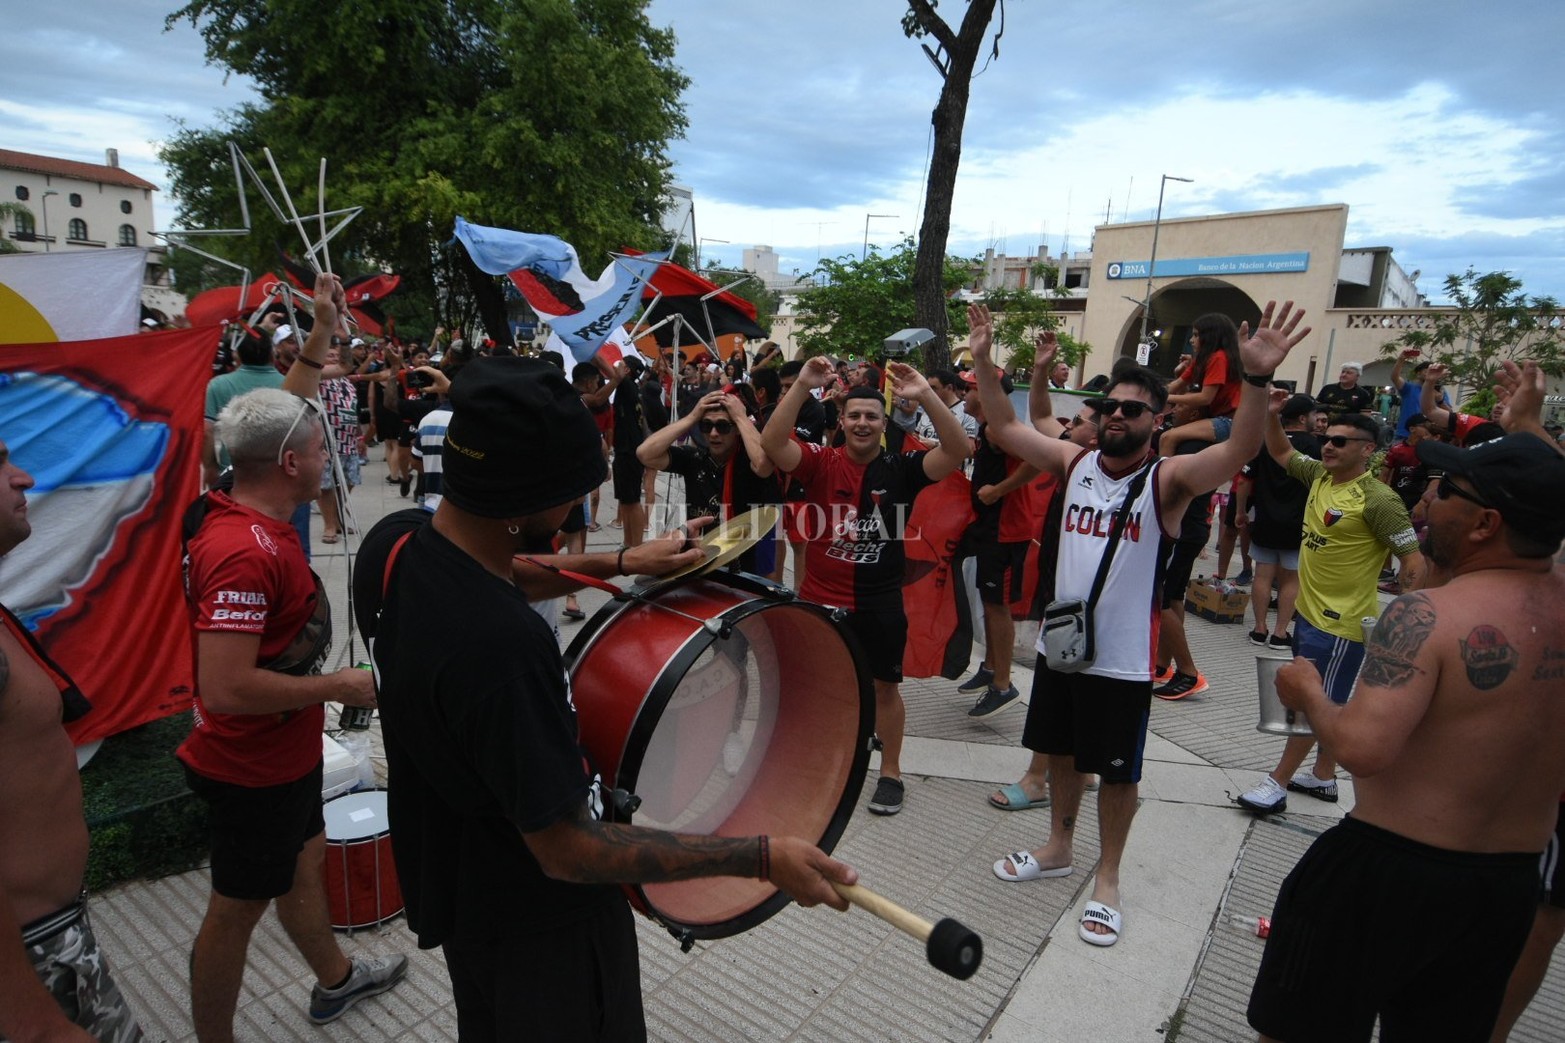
(1181, 970)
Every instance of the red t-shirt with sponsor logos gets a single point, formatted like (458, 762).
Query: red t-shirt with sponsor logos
(854, 517)
(245, 573)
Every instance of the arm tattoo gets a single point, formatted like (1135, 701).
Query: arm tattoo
(1394, 645)
(637, 855)
(1489, 657)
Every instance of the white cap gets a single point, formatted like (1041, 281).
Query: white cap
(1357, 367)
(356, 342)
(283, 333)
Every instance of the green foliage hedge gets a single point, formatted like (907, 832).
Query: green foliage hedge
(143, 820)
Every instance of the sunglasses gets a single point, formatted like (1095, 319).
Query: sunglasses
(1130, 409)
(722, 427)
(1446, 488)
(1339, 441)
(305, 406)
(1078, 421)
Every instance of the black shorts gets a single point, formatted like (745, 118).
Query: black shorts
(258, 832)
(575, 520)
(1101, 720)
(628, 472)
(999, 566)
(578, 981)
(882, 633)
(1370, 923)
(1181, 561)
(1553, 864)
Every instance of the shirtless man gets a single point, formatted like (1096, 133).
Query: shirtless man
(48, 956)
(1416, 907)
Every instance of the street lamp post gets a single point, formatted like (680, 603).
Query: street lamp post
(1146, 300)
(45, 204)
(865, 252)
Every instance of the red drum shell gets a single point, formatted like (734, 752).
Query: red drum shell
(663, 685)
(361, 878)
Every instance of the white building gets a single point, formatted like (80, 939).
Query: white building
(86, 206)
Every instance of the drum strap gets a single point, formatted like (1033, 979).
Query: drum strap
(391, 559)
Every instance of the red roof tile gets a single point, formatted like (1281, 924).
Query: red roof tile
(71, 168)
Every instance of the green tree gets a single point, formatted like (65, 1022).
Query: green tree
(1020, 314)
(552, 116)
(1493, 321)
(857, 303)
(958, 54)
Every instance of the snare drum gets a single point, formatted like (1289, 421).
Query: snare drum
(729, 708)
(361, 880)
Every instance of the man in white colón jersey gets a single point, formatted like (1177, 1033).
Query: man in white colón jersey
(1095, 721)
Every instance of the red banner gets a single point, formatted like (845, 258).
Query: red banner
(111, 432)
(939, 620)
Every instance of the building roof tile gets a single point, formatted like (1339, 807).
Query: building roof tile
(71, 168)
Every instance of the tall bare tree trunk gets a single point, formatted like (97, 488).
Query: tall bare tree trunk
(961, 51)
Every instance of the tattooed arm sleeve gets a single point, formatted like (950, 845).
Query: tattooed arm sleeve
(1394, 688)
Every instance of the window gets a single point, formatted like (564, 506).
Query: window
(76, 199)
(124, 206)
(77, 229)
(127, 235)
(22, 193)
(24, 227)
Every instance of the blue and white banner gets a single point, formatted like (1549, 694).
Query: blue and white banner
(545, 271)
(1239, 264)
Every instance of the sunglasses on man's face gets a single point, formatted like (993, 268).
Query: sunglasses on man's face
(1445, 488)
(1339, 441)
(722, 427)
(1130, 409)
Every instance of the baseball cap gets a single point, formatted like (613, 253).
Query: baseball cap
(1511, 474)
(520, 440)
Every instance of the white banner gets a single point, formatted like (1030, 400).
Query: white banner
(70, 295)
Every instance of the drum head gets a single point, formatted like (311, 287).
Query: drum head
(356, 816)
(758, 722)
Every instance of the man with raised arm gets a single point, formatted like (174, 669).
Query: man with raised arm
(1095, 721)
(262, 627)
(1456, 739)
(857, 501)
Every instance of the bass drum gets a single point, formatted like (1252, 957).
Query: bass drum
(725, 707)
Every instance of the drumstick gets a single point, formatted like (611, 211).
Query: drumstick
(951, 947)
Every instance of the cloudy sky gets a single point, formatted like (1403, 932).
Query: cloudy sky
(1440, 123)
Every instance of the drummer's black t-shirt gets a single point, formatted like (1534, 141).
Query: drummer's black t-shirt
(481, 739)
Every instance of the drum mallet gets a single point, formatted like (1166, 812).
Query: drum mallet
(951, 947)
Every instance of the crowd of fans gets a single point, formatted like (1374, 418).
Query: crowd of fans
(502, 460)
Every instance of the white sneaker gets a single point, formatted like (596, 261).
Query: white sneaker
(1264, 797)
(1320, 789)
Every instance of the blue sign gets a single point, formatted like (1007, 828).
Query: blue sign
(1241, 264)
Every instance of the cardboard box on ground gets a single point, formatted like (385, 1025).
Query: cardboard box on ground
(1205, 600)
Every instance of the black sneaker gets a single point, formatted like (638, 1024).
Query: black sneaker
(369, 977)
(1244, 578)
(1181, 686)
(1258, 637)
(888, 797)
(1283, 644)
(981, 679)
(993, 701)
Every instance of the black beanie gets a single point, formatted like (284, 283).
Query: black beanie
(520, 440)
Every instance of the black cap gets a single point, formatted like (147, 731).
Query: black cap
(520, 440)
(1298, 406)
(1417, 420)
(1512, 474)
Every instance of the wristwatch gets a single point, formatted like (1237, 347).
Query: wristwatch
(1260, 380)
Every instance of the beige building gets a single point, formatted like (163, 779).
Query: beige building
(86, 206)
